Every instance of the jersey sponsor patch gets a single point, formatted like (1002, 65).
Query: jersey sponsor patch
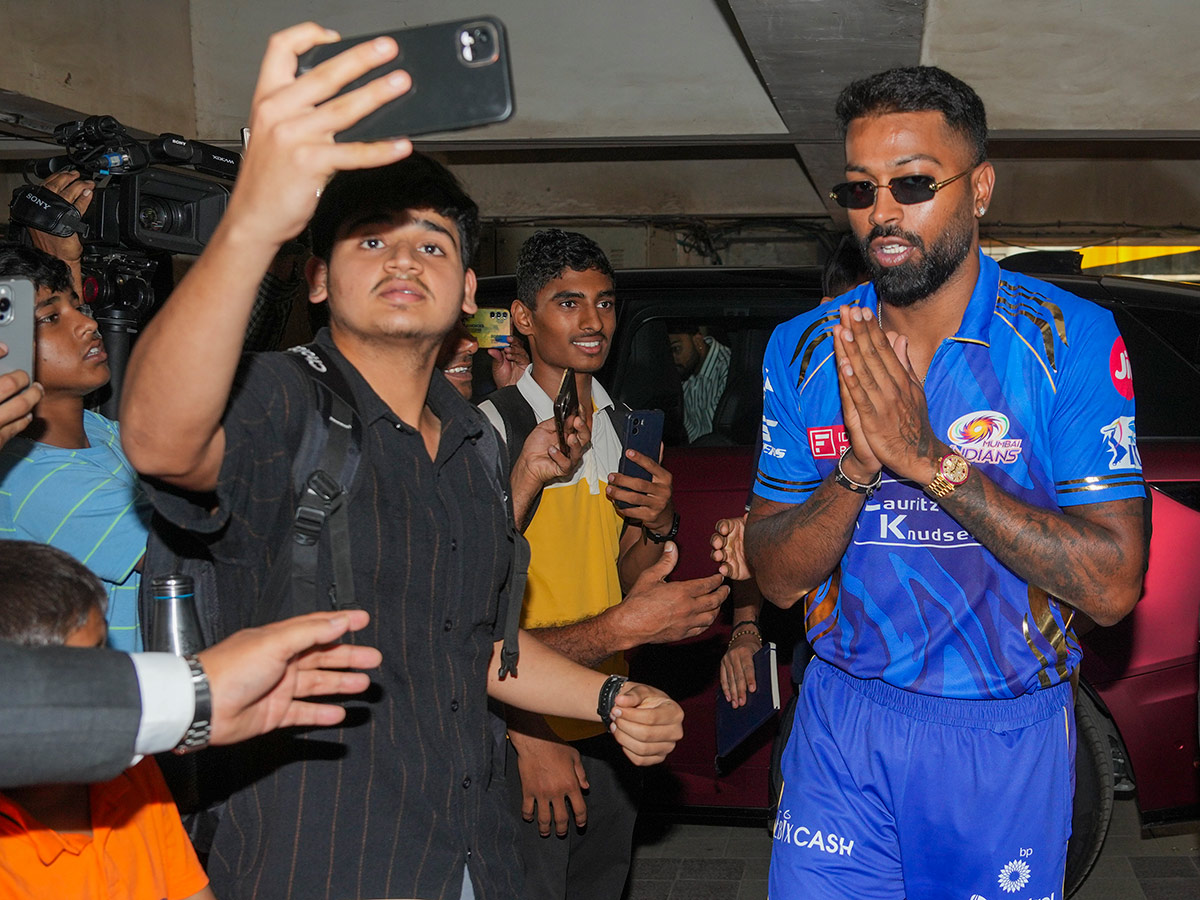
(1119, 369)
(981, 437)
(1120, 439)
(912, 520)
(829, 442)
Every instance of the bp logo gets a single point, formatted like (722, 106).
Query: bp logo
(1014, 876)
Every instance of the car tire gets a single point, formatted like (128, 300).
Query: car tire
(1094, 796)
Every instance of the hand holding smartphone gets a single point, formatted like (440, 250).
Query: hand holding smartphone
(566, 406)
(643, 433)
(460, 79)
(16, 325)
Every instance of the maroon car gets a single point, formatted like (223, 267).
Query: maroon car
(1137, 704)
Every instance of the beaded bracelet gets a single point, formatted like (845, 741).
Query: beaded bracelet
(737, 634)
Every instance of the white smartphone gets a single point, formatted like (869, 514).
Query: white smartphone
(16, 325)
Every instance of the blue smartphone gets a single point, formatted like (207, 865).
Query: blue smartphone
(643, 433)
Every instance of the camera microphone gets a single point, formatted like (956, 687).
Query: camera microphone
(44, 168)
(175, 150)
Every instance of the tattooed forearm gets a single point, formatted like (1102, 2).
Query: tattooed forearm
(1091, 557)
(791, 549)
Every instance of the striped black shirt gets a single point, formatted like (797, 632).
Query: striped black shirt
(397, 801)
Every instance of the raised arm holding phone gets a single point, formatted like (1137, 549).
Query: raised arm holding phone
(397, 803)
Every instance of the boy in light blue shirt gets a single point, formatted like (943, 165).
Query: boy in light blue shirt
(65, 481)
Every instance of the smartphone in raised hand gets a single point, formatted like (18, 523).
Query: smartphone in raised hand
(643, 433)
(460, 79)
(566, 405)
(16, 325)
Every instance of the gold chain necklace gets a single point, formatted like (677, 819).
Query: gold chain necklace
(879, 319)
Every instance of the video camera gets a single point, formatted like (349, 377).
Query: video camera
(143, 209)
(143, 205)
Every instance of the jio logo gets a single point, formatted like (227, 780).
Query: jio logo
(1119, 369)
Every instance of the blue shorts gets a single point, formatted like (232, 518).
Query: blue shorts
(892, 794)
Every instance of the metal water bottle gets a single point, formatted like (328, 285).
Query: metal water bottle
(175, 627)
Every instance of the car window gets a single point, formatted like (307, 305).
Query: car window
(1167, 386)
(718, 356)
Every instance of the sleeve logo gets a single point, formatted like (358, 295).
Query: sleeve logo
(1120, 439)
(1120, 370)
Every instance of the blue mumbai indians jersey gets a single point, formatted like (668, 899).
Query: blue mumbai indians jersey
(1035, 390)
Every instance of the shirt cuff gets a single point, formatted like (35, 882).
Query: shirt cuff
(168, 701)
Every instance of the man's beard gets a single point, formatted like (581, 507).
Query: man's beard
(915, 280)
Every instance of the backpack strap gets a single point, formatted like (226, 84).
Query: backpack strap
(518, 417)
(487, 446)
(519, 420)
(323, 471)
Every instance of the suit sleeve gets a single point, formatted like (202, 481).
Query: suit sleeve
(66, 715)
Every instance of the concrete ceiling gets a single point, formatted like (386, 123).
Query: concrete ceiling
(689, 108)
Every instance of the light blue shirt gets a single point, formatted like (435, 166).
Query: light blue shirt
(88, 503)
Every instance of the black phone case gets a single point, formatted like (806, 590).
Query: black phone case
(566, 404)
(643, 433)
(447, 93)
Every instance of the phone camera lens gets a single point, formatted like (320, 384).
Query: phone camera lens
(482, 37)
(5, 304)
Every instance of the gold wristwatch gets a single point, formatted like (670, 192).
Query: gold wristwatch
(952, 470)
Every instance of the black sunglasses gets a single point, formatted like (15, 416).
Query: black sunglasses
(906, 189)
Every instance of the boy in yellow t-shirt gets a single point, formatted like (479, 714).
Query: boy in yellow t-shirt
(586, 554)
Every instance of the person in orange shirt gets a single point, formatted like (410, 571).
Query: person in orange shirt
(117, 839)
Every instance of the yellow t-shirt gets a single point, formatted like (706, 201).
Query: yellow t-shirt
(574, 539)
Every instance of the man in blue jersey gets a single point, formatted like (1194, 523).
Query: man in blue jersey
(949, 476)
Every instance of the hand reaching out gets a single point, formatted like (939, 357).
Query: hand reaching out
(728, 548)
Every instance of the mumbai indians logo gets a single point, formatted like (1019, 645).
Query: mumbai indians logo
(980, 437)
(1120, 439)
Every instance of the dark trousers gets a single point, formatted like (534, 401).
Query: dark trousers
(590, 863)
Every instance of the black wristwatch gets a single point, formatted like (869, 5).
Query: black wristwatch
(199, 733)
(608, 696)
(655, 537)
